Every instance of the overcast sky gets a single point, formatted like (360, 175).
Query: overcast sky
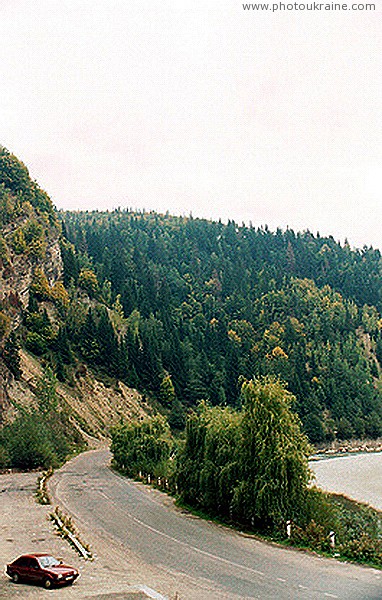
(199, 106)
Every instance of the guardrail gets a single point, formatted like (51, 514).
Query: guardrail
(58, 520)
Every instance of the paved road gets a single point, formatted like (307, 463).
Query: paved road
(356, 475)
(215, 561)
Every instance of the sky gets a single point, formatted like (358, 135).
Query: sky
(199, 107)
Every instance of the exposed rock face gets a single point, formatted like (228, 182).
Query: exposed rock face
(16, 274)
(16, 277)
(53, 266)
(5, 404)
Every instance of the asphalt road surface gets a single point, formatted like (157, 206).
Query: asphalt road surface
(209, 560)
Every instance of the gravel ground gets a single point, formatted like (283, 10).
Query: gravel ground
(25, 527)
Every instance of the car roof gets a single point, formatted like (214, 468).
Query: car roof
(35, 555)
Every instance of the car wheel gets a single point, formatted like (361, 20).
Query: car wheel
(15, 577)
(47, 583)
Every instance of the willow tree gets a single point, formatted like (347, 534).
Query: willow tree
(207, 463)
(142, 446)
(273, 456)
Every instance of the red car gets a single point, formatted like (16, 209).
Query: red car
(41, 568)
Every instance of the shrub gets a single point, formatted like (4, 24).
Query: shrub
(314, 535)
(40, 286)
(36, 343)
(142, 446)
(27, 442)
(365, 549)
(4, 324)
(5, 459)
(17, 241)
(88, 281)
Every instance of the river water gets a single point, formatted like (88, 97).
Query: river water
(358, 476)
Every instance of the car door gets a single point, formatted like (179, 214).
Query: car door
(21, 567)
(34, 570)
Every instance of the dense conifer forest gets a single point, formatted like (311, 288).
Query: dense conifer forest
(198, 304)
(184, 309)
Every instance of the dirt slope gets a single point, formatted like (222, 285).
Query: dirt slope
(93, 406)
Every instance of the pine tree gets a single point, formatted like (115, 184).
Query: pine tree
(11, 355)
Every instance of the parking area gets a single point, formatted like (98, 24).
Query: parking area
(25, 527)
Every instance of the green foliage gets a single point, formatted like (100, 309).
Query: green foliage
(274, 454)
(364, 549)
(36, 343)
(4, 255)
(4, 324)
(43, 436)
(36, 440)
(167, 391)
(17, 241)
(14, 174)
(40, 335)
(177, 417)
(5, 459)
(314, 535)
(11, 356)
(251, 465)
(207, 303)
(314, 428)
(15, 180)
(70, 262)
(46, 392)
(7, 206)
(142, 446)
(28, 442)
(40, 285)
(100, 345)
(33, 231)
(88, 281)
(208, 463)
(59, 295)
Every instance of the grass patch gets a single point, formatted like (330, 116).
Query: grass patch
(42, 494)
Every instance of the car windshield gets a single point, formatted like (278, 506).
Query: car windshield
(48, 561)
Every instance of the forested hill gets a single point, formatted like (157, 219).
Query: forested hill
(200, 304)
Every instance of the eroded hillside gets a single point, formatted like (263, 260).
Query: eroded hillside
(44, 383)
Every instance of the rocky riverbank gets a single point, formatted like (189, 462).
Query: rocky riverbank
(349, 446)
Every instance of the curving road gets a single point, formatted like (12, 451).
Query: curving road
(215, 561)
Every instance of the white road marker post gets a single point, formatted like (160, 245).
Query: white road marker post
(332, 538)
(289, 528)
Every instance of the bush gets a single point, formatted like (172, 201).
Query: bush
(5, 322)
(5, 459)
(35, 343)
(11, 356)
(88, 281)
(314, 535)
(40, 285)
(17, 241)
(143, 446)
(35, 440)
(365, 549)
(27, 442)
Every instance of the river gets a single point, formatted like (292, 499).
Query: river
(358, 476)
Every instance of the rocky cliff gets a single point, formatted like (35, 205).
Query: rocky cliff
(33, 307)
